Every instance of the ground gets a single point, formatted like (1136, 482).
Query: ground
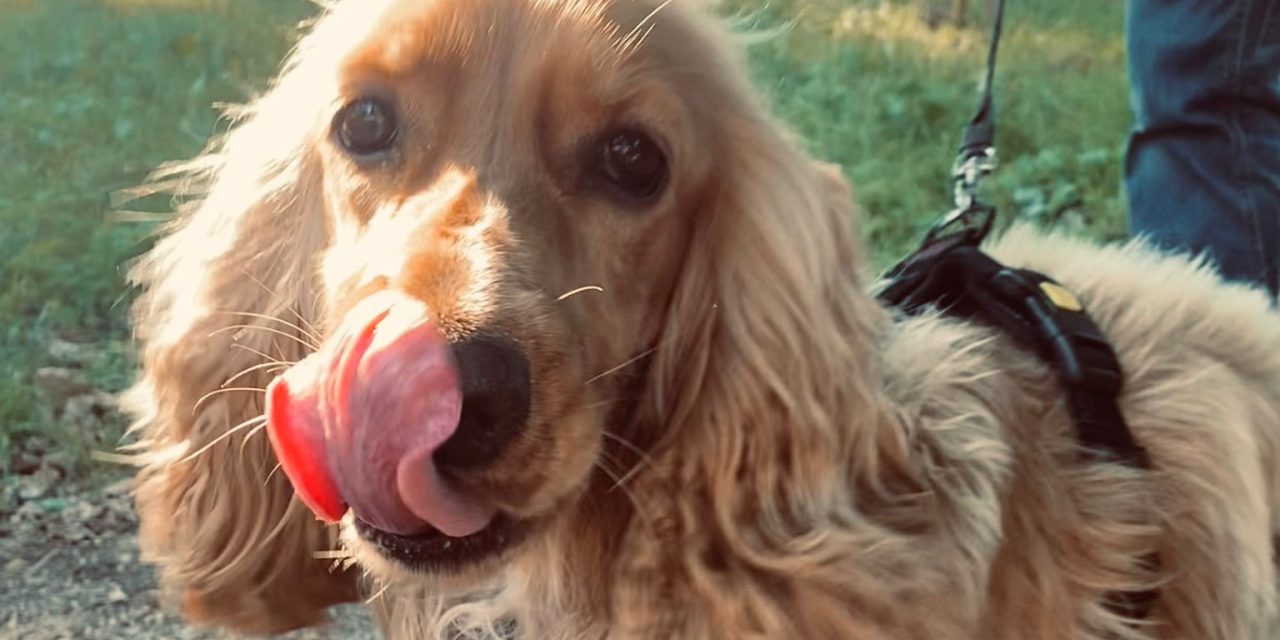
(69, 559)
(71, 572)
(96, 93)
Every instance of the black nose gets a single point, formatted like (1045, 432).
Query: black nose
(494, 374)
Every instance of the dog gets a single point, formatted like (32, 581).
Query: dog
(525, 318)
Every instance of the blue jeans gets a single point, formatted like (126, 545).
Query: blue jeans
(1203, 166)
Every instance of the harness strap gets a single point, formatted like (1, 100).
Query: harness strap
(1040, 315)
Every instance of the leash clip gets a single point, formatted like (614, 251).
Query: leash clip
(971, 166)
(971, 219)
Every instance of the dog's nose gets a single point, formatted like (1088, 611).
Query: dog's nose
(494, 375)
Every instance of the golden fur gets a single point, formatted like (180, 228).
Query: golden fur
(730, 437)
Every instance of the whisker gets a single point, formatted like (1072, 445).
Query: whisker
(629, 361)
(270, 473)
(276, 297)
(645, 460)
(600, 403)
(313, 336)
(249, 436)
(380, 592)
(227, 434)
(631, 473)
(332, 554)
(640, 453)
(640, 41)
(215, 392)
(603, 467)
(570, 294)
(268, 358)
(276, 345)
(630, 42)
(342, 558)
(268, 330)
(256, 367)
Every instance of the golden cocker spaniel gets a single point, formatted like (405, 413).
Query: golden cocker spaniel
(555, 333)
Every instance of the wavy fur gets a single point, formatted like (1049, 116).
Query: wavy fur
(803, 463)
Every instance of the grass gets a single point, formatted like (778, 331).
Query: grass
(94, 93)
(878, 91)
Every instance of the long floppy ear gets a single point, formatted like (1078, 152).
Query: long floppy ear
(767, 373)
(228, 295)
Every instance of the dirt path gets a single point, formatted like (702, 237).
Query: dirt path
(69, 570)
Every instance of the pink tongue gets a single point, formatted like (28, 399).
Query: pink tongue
(357, 422)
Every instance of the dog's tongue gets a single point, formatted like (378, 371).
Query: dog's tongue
(357, 422)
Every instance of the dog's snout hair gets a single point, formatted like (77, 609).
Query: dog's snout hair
(442, 246)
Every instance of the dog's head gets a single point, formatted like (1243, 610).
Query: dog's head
(535, 231)
(508, 195)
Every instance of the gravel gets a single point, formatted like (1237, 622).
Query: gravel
(69, 560)
(69, 569)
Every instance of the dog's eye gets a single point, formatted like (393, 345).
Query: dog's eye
(365, 126)
(634, 164)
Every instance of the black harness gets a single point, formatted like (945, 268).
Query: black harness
(956, 277)
(950, 273)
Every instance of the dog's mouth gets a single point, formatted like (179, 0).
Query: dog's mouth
(432, 551)
(373, 424)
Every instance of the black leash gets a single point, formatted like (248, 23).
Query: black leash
(950, 272)
(980, 135)
(972, 218)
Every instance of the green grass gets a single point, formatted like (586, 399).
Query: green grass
(878, 91)
(94, 93)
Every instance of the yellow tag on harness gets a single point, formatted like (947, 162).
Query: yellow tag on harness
(1061, 297)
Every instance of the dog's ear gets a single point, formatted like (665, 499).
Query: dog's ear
(228, 297)
(764, 354)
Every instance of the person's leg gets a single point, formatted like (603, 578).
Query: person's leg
(1203, 165)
